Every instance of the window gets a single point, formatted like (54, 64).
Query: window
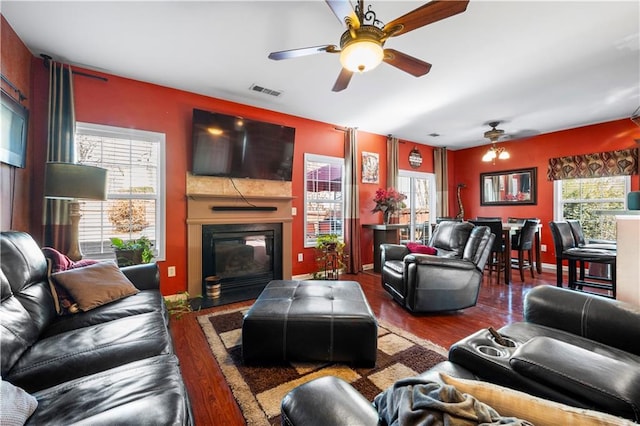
(135, 205)
(584, 199)
(419, 189)
(323, 200)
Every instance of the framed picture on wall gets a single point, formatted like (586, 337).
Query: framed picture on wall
(370, 167)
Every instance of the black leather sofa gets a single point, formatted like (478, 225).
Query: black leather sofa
(574, 348)
(110, 365)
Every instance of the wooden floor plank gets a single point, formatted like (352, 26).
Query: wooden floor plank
(211, 398)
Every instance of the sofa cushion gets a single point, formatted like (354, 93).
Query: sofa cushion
(16, 405)
(145, 392)
(540, 412)
(580, 371)
(421, 248)
(58, 262)
(95, 285)
(88, 350)
(140, 303)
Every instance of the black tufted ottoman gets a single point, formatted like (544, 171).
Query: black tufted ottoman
(310, 321)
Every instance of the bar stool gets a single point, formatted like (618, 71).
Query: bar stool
(580, 240)
(566, 248)
(523, 242)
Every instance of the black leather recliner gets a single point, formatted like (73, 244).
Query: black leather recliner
(447, 281)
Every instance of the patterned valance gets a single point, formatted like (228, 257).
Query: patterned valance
(599, 164)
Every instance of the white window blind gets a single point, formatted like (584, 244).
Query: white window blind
(323, 197)
(135, 206)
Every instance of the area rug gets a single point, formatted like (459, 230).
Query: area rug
(259, 390)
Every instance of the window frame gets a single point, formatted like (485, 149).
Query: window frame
(558, 201)
(431, 203)
(308, 157)
(115, 132)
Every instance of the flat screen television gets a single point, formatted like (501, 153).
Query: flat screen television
(230, 146)
(14, 120)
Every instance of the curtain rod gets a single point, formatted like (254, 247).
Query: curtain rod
(47, 60)
(13, 87)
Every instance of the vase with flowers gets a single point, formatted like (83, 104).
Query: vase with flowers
(388, 201)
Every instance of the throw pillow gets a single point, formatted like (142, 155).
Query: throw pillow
(540, 412)
(95, 285)
(16, 405)
(421, 249)
(58, 262)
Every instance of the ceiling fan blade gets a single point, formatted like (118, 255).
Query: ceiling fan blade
(424, 15)
(343, 80)
(305, 51)
(343, 9)
(406, 63)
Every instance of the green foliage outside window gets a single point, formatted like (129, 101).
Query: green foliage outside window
(583, 199)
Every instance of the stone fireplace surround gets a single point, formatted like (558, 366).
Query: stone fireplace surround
(205, 192)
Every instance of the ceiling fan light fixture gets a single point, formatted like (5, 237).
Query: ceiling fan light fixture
(504, 155)
(361, 55)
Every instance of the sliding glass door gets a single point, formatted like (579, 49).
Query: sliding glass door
(421, 201)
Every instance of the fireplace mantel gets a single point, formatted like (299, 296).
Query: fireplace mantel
(205, 192)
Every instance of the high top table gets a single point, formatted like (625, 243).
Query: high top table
(384, 234)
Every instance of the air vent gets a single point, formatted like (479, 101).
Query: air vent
(266, 91)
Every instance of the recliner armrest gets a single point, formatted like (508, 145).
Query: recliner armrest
(327, 401)
(430, 260)
(393, 252)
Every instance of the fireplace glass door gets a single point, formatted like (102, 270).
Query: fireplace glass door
(242, 255)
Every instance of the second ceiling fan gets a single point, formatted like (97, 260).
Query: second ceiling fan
(361, 45)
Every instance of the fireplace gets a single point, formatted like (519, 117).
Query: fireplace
(243, 256)
(252, 223)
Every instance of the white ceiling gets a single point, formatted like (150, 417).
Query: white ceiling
(538, 66)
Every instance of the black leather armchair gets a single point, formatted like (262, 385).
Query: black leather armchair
(447, 281)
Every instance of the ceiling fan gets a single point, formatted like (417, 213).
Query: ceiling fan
(361, 45)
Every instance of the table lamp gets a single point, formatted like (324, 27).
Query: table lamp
(69, 181)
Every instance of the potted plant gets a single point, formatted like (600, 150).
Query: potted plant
(132, 252)
(388, 201)
(330, 256)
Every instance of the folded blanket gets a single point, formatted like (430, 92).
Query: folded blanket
(416, 401)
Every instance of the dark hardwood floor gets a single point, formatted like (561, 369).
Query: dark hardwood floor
(212, 401)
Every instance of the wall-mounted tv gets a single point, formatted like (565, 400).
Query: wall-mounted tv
(13, 131)
(230, 146)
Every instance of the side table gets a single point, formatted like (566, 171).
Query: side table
(384, 234)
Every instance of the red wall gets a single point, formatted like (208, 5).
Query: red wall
(128, 103)
(536, 152)
(15, 62)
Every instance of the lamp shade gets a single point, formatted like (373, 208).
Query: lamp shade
(75, 181)
(361, 55)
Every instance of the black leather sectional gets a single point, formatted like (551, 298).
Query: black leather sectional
(111, 365)
(574, 348)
